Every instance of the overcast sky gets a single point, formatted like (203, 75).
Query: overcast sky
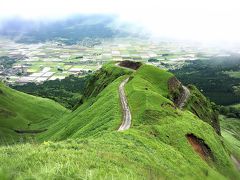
(206, 20)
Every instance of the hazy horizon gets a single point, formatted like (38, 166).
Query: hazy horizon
(206, 21)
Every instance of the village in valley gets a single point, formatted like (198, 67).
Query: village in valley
(54, 60)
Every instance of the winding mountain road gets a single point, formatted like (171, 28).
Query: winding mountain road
(126, 122)
(184, 97)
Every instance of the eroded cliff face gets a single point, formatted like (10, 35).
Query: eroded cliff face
(175, 89)
(197, 103)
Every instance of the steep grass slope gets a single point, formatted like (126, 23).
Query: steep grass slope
(102, 78)
(95, 117)
(22, 112)
(129, 155)
(155, 114)
(163, 141)
(100, 111)
(231, 132)
(203, 108)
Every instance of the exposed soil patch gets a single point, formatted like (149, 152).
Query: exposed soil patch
(200, 147)
(29, 131)
(130, 64)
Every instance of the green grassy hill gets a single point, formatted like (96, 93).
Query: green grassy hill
(231, 132)
(163, 141)
(199, 105)
(100, 112)
(23, 112)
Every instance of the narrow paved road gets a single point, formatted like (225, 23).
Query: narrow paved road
(126, 122)
(184, 97)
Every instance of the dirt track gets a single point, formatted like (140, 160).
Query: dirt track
(126, 122)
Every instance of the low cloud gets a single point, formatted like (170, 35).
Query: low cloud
(203, 20)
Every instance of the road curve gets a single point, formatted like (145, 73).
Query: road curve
(184, 97)
(126, 121)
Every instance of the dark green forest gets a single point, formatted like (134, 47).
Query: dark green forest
(67, 92)
(210, 77)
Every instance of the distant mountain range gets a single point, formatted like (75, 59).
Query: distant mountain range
(67, 30)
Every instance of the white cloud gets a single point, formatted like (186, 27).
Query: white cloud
(32, 9)
(190, 19)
